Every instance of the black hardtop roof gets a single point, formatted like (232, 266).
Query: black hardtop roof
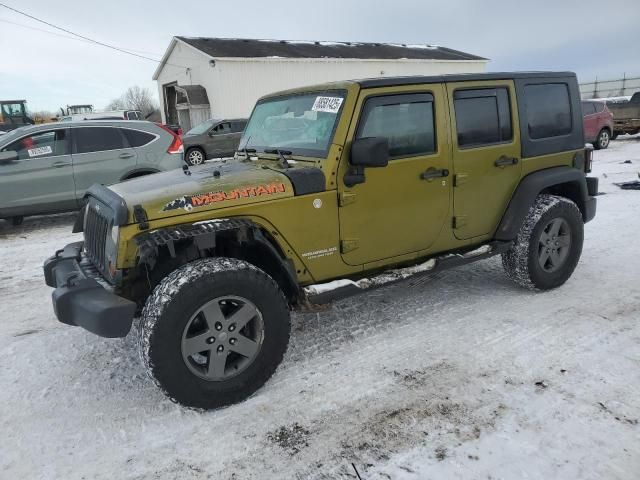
(458, 77)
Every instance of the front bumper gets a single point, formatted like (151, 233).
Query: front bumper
(80, 300)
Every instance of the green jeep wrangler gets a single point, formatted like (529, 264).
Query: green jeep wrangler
(336, 189)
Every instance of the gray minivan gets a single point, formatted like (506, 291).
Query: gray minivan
(47, 168)
(213, 139)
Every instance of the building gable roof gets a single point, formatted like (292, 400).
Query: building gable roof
(252, 48)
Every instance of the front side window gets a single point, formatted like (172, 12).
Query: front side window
(548, 110)
(483, 116)
(97, 139)
(405, 120)
(301, 123)
(222, 128)
(238, 127)
(39, 145)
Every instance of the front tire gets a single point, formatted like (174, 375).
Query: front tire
(602, 140)
(548, 245)
(213, 332)
(195, 156)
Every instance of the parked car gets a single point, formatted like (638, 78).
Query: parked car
(598, 123)
(339, 188)
(48, 168)
(626, 115)
(213, 139)
(108, 115)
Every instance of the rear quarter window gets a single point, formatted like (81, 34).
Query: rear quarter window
(136, 138)
(548, 109)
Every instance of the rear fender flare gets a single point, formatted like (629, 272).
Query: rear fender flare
(567, 181)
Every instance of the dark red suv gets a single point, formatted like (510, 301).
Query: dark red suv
(598, 123)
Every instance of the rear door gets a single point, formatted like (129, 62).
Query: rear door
(590, 120)
(486, 153)
(41, 179)
(100, 154)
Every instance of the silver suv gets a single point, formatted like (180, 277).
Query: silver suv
(47, 168)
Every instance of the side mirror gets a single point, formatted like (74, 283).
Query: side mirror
(8, 157)
(370, 152)
(366, 152)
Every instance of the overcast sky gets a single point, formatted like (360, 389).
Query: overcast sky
(592, 38)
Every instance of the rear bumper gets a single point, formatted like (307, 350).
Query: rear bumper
(591, 202)
(80, 300)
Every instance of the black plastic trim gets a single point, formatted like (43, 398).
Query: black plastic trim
(458, 77)
(112, 200)
(529, 189)
(306, 180)
(79, 300)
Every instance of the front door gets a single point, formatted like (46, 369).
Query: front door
(486, 154)
(41, 179)
(221, 140)
(100, 155)
(398, 210)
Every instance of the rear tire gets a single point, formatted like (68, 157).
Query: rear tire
(602, 140)
(213, 332)
(195, 156)
(548, 245)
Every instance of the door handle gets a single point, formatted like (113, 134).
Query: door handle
(505, 161)
(125, 155)
(432, 173)
(61, 164)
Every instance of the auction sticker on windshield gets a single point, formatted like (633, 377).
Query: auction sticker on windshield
(36, 152)
(327, 104)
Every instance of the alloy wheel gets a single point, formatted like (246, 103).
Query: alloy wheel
(195, 157)
(223, 338)
(554, 245)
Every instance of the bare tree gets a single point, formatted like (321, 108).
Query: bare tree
(135, 98)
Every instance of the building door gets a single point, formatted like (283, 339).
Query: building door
(397, 211)
(486, 154)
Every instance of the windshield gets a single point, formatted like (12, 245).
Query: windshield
(203, 127)
(302, 124)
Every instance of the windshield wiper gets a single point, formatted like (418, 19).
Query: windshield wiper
(284, 163)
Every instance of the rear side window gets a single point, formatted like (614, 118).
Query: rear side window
(548, 110)
(588, 108)
(599, 106)
(405, 120)
(97, 139)
(483, 116)
(136, 138)
(40, 145)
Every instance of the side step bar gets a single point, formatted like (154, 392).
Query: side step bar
(329, 292)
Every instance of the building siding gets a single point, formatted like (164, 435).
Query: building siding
(234, 85)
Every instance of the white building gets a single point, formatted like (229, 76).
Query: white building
(200, 78)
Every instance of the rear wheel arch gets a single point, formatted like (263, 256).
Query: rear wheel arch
(560, 181)
(138, 173)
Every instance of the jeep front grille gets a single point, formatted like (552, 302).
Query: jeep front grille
(95, 236)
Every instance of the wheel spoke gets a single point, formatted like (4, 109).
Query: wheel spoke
(197, 344)
(212, 314)
(544, 238)
(242, 316)
(555, 227)
(544, 256)
(217, 364)
(555, 258)
(244, 346)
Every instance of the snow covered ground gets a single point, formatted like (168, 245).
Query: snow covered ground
(460, 374)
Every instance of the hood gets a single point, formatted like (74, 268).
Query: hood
(209, 187)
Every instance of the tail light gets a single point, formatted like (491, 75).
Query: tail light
(588, 159)
(176, 146)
